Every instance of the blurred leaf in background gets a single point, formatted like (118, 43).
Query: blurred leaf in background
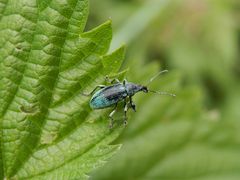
(196, 135)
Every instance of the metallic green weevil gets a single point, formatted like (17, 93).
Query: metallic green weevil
(110, 96)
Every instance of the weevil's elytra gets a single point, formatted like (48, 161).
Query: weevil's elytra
(109, 96)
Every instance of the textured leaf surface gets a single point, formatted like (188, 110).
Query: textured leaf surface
(47, 128)
(173, 139)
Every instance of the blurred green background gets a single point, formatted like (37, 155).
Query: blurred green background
(197, 134)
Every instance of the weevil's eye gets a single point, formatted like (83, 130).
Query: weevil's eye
(145, 89)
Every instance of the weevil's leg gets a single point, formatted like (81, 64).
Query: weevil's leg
(113, 81)
(111, 117)
(107, 79)
(124, 82)
(91, 93)
(133, 106)
(125, 112)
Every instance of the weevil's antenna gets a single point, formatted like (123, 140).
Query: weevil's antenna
(162, 93)
(154, 77)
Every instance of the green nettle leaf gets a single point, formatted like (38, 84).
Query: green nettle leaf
(47, 129)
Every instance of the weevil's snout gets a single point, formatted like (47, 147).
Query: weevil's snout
(145, 89)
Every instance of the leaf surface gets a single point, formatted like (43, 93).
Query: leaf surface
(47, 129)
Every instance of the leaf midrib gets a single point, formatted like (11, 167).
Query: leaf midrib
(59, 63)
(13, 97)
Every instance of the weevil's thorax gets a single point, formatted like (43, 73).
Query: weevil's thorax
(132, 88)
